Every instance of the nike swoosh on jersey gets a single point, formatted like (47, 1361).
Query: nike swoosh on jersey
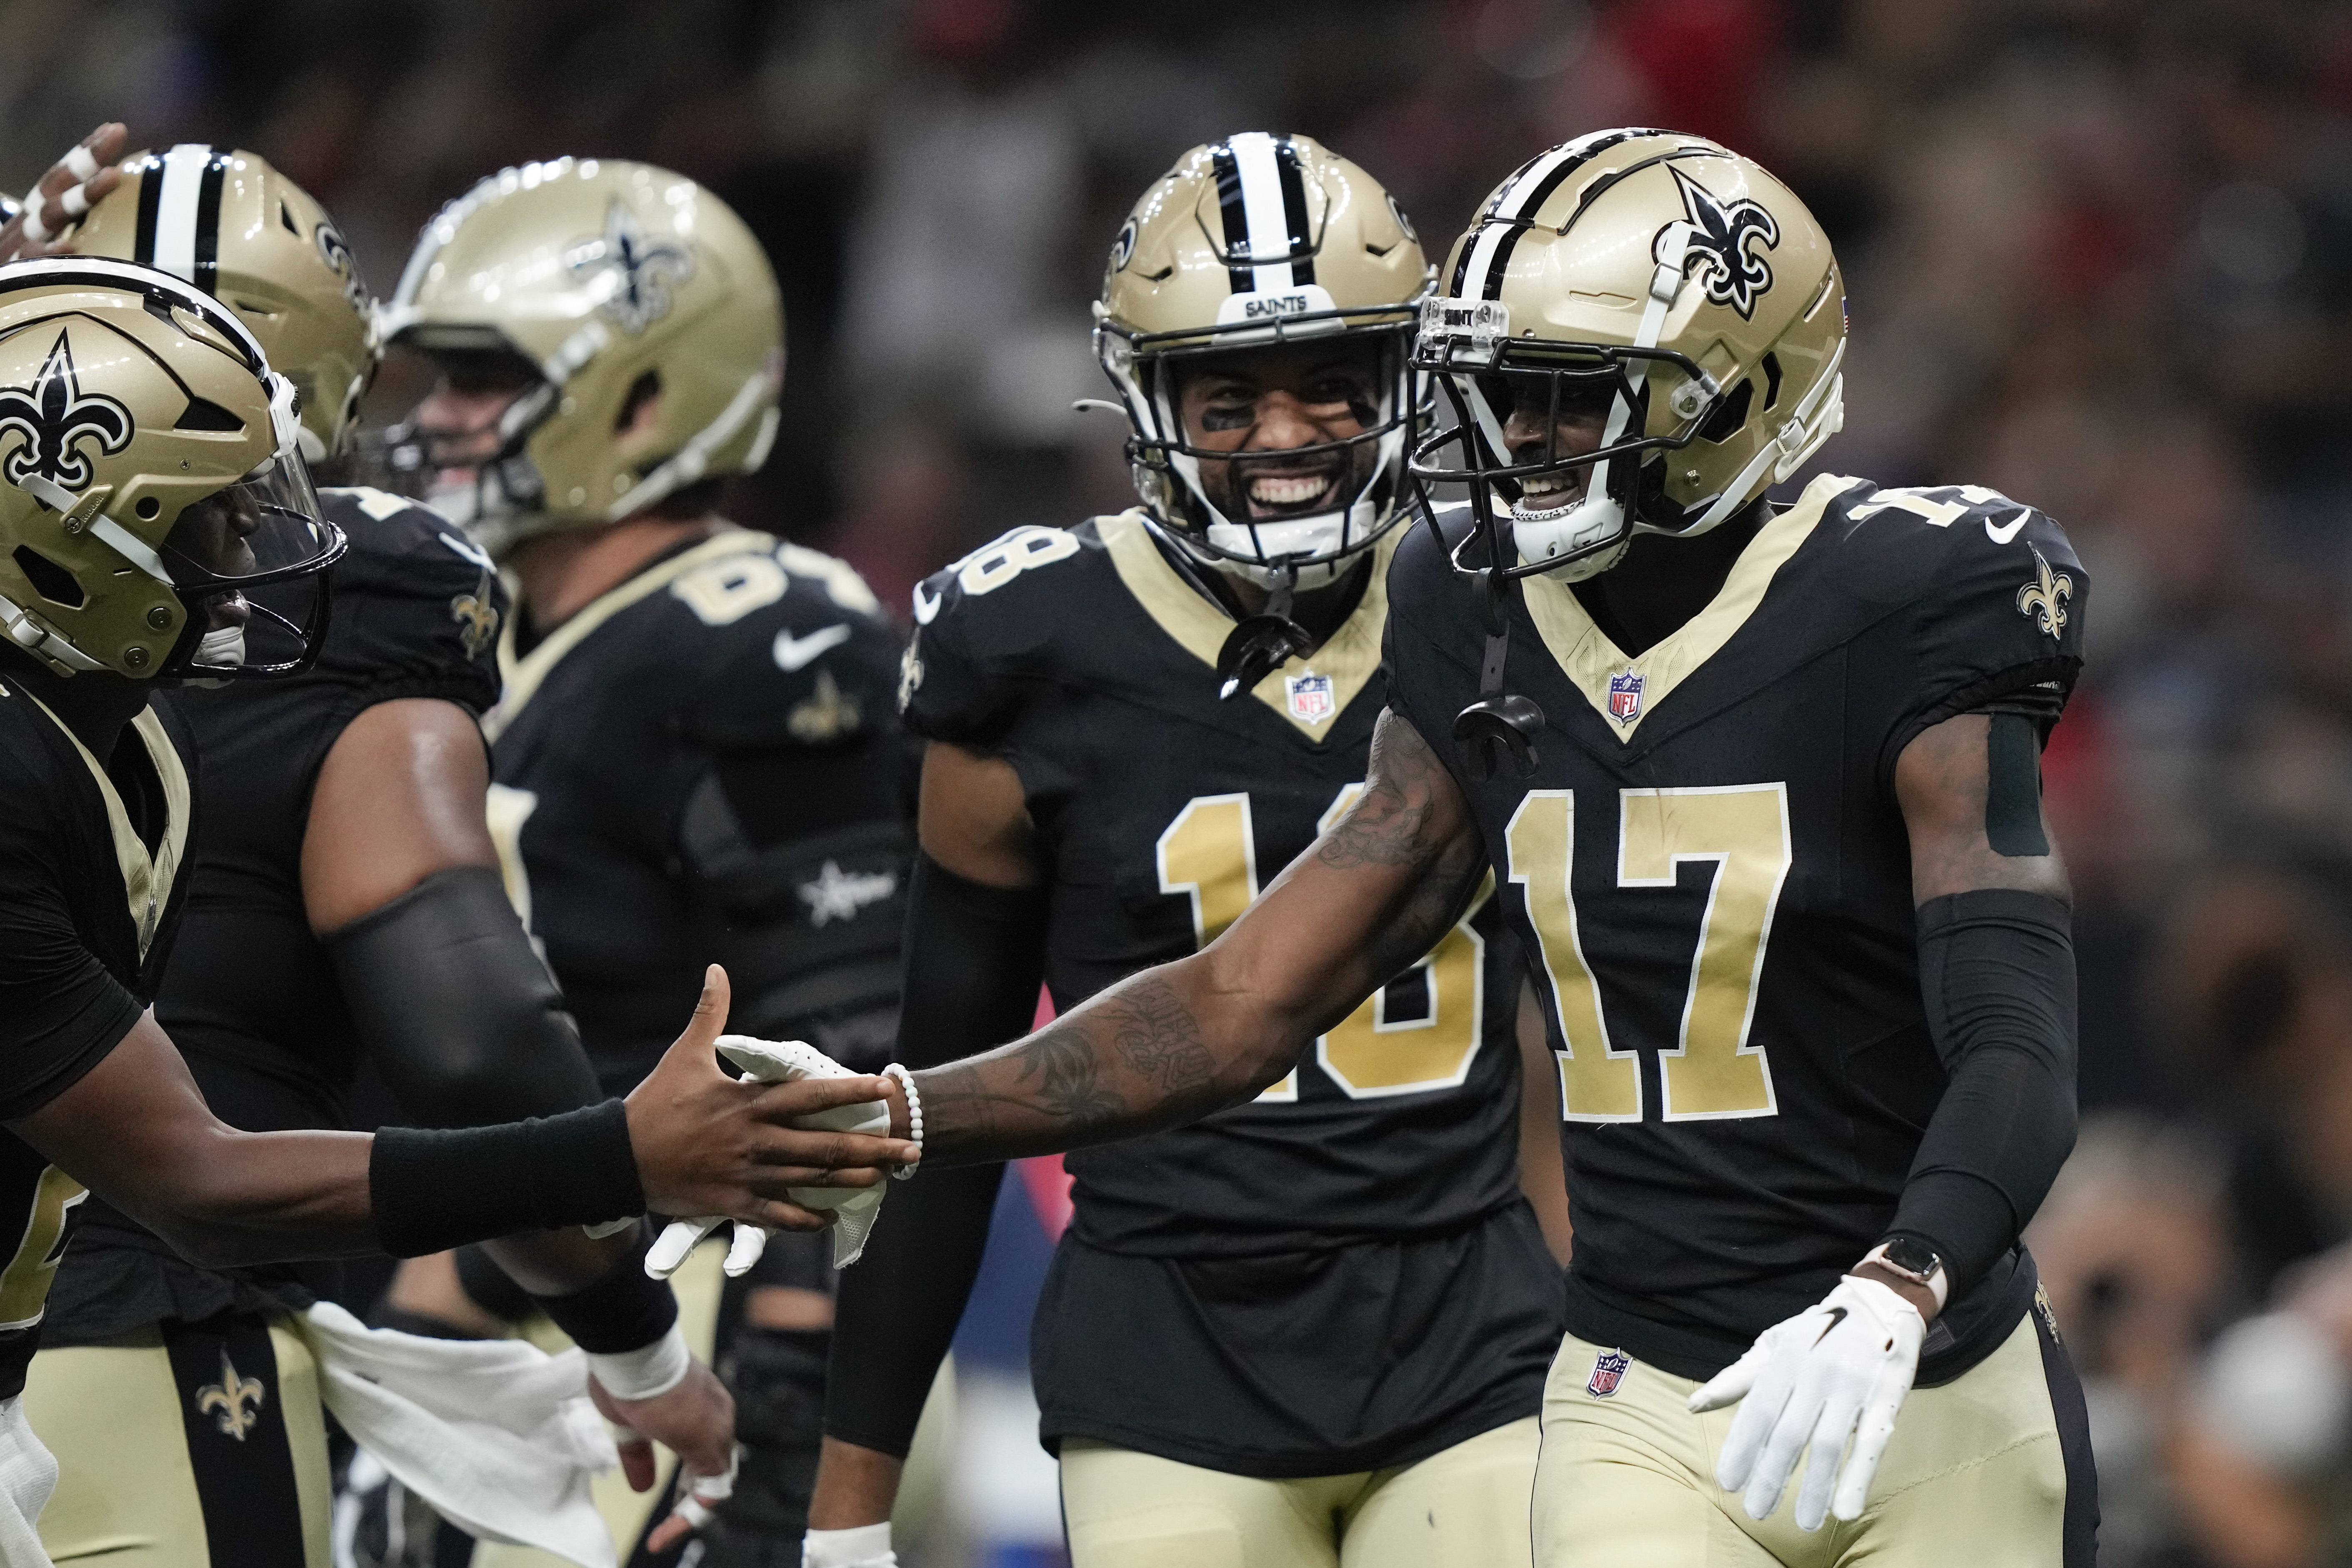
(795, 653)
(926, 605)
(2003, 535)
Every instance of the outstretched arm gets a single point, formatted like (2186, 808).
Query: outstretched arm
(1171, 1044)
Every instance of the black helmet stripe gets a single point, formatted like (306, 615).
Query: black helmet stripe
(1533, 188)
(1261, 200)
(1231, 209)
(1294, 210)
(179, 213)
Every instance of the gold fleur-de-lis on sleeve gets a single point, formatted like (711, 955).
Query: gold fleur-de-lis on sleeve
(2046, 597)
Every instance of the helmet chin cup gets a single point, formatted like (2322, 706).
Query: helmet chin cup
(1586, 539)
(1504, 721)
(1255, 650)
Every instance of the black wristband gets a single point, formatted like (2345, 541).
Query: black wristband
(624, 1310)
(433, 1190)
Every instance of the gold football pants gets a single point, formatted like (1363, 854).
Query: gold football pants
(185, 1446)
(1465, 1507)
(1991, 1467)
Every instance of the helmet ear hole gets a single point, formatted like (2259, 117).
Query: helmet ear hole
(1771, 381)
(49, 579)
(147, 507)
(1725, 422)
(642, 391)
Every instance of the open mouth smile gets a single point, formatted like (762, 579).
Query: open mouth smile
(1549, 495)
(1290, 494)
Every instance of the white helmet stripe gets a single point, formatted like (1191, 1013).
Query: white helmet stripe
(1269, 228)
(177, 209)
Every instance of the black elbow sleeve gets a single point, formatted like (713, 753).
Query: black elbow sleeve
(1996, 975)
(461, 1015)
(975, 956)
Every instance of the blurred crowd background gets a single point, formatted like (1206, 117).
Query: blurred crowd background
(2100, 258)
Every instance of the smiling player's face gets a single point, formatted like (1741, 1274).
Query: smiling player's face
(1264, 404)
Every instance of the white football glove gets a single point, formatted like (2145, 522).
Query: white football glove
(857, 1209)
(1836, 1370)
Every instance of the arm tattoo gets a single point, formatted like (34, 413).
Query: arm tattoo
(1062, 1087)
(1384, 828)
(1159, 1036)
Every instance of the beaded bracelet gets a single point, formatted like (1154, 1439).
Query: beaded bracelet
(914, 1117)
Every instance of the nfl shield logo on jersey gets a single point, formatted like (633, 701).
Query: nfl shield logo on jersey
(1311, 697)
(1625, 696)
(1608, 1371)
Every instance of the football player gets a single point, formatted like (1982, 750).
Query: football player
(1313, 1328)
(1759, 787)
(345, 852)
(155, 504)
(696, 751)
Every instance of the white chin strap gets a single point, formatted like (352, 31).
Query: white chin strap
(1598, 517)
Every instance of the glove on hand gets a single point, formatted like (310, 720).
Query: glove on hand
(1836, 1370)
(857, 1209)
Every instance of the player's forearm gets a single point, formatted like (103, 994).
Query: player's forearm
(1159, 1049)
(232, 1198)
(561, 1262)
(855, 1486)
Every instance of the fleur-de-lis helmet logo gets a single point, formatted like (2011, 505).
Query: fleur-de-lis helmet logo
(1734, 274)
(56, 418)
(643, 272)
(336, 252)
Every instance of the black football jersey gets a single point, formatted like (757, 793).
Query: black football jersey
(91, 889)
(702, 766)
(1085, 659)
(1712, 871)
(250, 997)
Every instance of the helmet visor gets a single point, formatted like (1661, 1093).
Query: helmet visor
(249, 563)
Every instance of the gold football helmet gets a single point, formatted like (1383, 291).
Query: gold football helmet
(150, 474)
(613, 279)
(230, 223)
(1671, 278)
(1260, 240)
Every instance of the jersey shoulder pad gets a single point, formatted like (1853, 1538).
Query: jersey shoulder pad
(986, 622)
(789, 648)
(418, 606)
(1993, 595)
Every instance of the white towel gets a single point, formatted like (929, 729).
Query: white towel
(28, 1472)
(499, 1437)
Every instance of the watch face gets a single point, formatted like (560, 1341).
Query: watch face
(1913, 1256)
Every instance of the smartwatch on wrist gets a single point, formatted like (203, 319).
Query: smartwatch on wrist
(1915, 1261)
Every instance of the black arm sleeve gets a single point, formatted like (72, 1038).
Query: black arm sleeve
(974, 957)
(1996, 973)
(459, 1014)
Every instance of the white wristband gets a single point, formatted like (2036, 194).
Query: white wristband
(645, 1371)
(868, 1546)
(914, 1117)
